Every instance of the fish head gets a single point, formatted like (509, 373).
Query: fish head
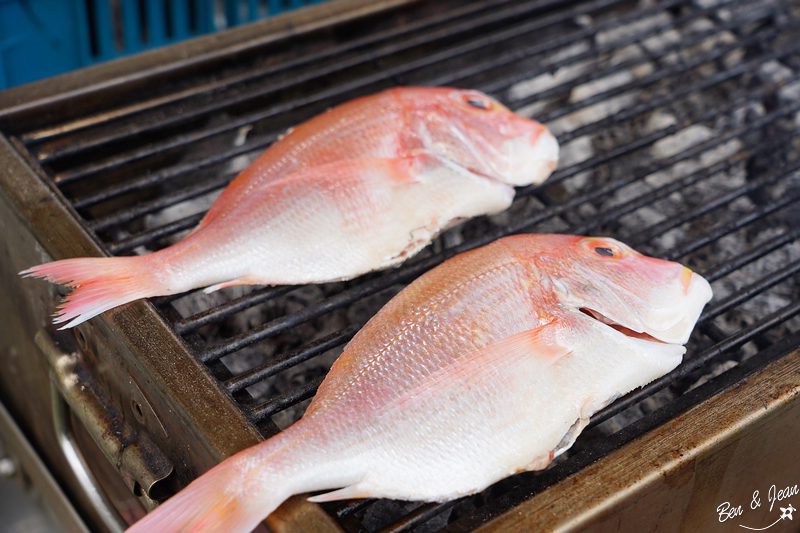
(641, 296)
(479, 133)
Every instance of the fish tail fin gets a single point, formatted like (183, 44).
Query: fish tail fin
(234, 496)
(97, 284)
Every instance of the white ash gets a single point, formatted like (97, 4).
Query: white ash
(601, 85)
(535, 109)
(608, 37)
(584, 20)
(629, 53)
(542, 82)
(199, 301)
(610, 106)
(200, 204)
(576, 151)
(719, 370)
(710, 3)
(660, 119)
(789, 91)
(656, 43)
(732, 246)
(594, 113)
(721, 152)
(680, 141)
(658, 211)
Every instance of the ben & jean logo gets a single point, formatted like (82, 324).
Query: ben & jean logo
(726, 511)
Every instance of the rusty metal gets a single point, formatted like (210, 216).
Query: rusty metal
(139, 462)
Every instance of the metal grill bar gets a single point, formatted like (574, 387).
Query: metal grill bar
(524, 224)
(338, 301)
(732, 264)
(758, 287)
(124, 216)
(680, 68)
(289, 359)
(743, 221)
(278, 403)
(127, 244)
(705, 84)
(193, 323)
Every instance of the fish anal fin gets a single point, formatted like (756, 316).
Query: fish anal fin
(538, 463)
(238, 281)
(346, 493)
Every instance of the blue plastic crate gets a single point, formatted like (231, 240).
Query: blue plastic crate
(40, 38)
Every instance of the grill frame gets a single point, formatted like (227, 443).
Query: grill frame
(35, 199)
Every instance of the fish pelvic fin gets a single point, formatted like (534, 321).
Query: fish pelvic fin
(97, 284)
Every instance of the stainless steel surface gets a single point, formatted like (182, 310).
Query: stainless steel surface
(31, 500)
(21, 513)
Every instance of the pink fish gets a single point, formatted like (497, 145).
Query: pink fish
(358, 188)
(490, 364)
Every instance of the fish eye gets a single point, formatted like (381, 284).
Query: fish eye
(604, 251)
(480, 104)
(478, 101)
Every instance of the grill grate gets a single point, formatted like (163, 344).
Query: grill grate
(677, 121)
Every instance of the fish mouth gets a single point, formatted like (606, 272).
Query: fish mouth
(628, 332)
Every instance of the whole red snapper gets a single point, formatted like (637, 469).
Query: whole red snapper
(487, 365)
(358, 188)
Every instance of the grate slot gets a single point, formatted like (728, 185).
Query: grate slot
(338, 301)
(761, 285)
(739, 223)
(278, 403)
(289, 359)
(503, 84)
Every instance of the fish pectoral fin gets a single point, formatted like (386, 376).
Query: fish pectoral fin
(539, 344)
(346, 493)
(535, 349)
